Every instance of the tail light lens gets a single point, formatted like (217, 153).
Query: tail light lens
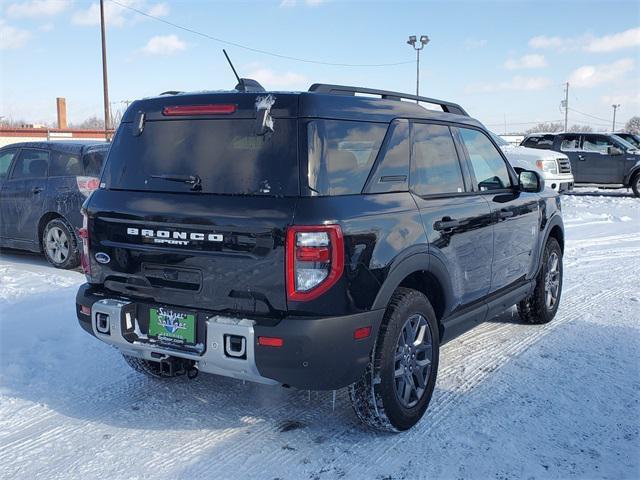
(83, 233)
(86, 185)
(315, 260)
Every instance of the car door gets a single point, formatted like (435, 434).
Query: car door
(596, 162)
(6, 159)
(516, 214)
(457, 222)
(23, 195)
(571, 145)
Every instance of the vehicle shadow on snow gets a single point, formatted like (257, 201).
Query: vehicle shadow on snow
(23, 256)
(618, 193)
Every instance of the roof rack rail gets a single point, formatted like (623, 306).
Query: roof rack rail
(448, 107)
(171, 92)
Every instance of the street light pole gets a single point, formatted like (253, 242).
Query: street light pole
(413, 41)
(105, 83)
(615, 107)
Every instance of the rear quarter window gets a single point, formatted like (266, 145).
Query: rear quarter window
(340, 155)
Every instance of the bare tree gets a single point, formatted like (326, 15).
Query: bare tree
(91, 123)
(550, 127)
(633, 125)
(580, 129)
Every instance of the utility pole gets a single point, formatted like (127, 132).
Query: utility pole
(615, 107)
(105, 83)
(565, 104)
(413, 41)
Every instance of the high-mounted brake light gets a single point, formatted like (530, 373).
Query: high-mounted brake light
(83, 233)
(190, 110)
(315, 260)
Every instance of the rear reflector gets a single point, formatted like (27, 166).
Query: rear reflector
(270, 341)
(188, 110)
(361, 333)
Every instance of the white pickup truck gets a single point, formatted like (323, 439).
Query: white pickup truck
(555, 167)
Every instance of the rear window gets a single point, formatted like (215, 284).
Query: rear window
(65, 164)
(545, 141)
(227, 156)
(341, 154)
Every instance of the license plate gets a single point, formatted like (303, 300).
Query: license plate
(172, 326)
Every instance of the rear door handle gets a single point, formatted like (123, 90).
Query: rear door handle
(447, 223)
(37, 189)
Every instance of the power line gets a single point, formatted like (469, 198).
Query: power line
(589, 115)
(256, 50)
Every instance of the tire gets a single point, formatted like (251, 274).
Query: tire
(151, 369)
(537, 308)
(375, 398)
(635, 184)
(60, 245)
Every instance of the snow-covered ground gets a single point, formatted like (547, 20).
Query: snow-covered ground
(511, 401)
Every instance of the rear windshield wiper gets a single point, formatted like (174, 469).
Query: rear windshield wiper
(194, 180)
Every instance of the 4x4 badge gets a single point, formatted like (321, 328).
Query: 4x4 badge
(102, 257)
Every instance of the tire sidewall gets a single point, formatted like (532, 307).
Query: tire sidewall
(400, 417)
(72, 259)
(552, 246)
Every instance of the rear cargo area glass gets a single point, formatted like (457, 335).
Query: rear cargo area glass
(226, 154)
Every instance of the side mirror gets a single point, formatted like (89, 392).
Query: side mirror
(614, 151)
(530, 181)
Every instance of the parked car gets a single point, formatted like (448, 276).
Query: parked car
(42, 187)
(555, 167)
(596, 158)
(294, 239)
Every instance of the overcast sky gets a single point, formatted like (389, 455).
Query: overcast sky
(500, 60)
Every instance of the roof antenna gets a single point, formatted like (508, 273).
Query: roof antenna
(240, 87)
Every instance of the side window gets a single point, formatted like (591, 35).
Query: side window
(391, 173)
(31, 163)
(341, 154)
(570, 143)
(65, 164)
(5, 161)
(599, 144)
(488, 165)
(92, 163)
(435, 167)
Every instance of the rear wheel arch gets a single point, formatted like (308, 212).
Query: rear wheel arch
(421, 272)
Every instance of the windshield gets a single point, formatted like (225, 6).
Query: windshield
(499, 140)
(629, 138)
(225, 156)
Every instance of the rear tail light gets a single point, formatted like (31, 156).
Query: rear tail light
(86, 185)
(315, 260)
(191, 110)
(83, 233)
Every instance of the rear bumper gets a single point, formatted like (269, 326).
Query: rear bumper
(316, 353)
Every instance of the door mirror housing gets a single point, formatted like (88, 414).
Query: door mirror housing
(614, 151)
(530, 181)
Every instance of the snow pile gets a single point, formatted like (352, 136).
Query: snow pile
(511, 401)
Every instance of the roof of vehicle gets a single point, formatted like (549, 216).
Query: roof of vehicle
(70, 146)
(344, 104)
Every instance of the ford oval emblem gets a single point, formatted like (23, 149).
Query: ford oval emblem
(102, 257)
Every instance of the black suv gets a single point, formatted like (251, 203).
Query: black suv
(317, 240)
(596, 158)
(42, 187)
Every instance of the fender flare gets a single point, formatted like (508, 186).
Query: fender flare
(417, 262)
(635, 170)
(555, 221)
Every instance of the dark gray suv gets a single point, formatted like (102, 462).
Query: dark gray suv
(596, 158)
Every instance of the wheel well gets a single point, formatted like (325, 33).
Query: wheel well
(46, 218)
(556, 232)
(426, 283)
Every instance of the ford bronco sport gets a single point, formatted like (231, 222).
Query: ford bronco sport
(318, 240)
